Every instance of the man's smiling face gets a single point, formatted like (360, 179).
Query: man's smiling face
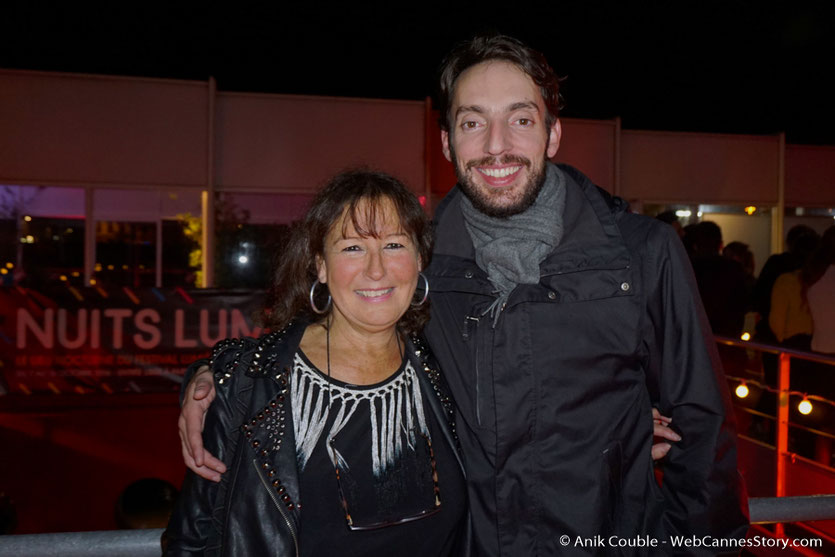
(498, 139)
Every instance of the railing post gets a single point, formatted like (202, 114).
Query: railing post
(782, 430)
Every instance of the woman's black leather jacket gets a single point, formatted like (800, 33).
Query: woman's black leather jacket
(255, 508)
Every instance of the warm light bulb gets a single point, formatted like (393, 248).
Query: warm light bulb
(805, 407)
(750, 210)
(746, 336)
(742, 390)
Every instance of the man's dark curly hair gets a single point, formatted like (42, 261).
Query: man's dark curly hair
(498, 47)
(361, 195)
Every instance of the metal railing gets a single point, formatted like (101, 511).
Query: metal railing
(146, 543)
(777, 510)
(782, 454)
(785, 356)
(111, 543)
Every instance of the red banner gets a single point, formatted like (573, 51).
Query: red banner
(80, 340)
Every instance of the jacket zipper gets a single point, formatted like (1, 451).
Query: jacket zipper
(277, 505)
(477, 382)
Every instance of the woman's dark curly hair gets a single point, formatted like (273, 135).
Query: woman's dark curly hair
(360, 193)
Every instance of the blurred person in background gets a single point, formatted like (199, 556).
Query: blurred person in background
(146, 503)
(688, 238)
(722, 281)
(671, 218)
(790, 317)
(742, 254)
(819, 278)
(801, 241)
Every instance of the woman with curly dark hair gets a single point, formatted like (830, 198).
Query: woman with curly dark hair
(335, 429)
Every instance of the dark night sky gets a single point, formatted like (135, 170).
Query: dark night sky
(731, 66)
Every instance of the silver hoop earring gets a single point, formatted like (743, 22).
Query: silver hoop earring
(313, 304)
(425, 293)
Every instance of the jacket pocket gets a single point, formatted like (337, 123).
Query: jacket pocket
(591, 284)
(611, 482)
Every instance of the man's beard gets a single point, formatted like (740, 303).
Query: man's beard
(480, 197)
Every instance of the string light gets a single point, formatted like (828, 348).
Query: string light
(746, 336)
(804, 406)
(742, 390)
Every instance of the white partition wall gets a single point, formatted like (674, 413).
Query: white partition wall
(80, 129)
(681, 167)
(293, 144)
(591, 147)
(810, 176)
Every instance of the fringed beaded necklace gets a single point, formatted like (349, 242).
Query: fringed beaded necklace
(395, 410)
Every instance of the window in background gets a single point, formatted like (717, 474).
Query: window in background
(41, 235)
(147, 237)
(180, 253)
(251, 231)
(125, 253)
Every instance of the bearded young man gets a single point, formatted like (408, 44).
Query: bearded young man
(559, 320)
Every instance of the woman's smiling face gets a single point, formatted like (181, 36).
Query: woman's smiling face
(371, 273)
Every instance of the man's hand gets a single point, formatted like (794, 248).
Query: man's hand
(661, 430)
(199, 395)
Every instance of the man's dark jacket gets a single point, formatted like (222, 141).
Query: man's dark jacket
(555, 400)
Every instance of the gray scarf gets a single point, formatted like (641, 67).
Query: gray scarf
(510, 249)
